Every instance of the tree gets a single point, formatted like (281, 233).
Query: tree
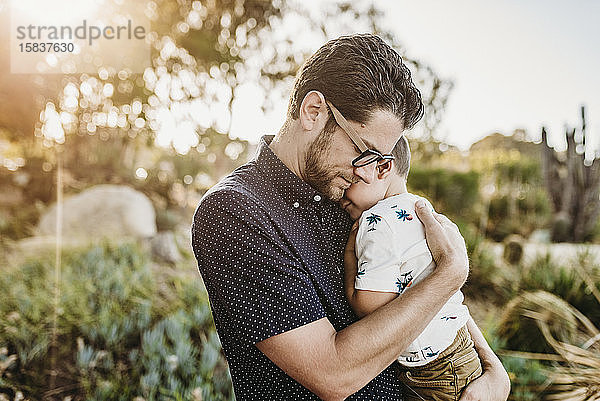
(201, 53)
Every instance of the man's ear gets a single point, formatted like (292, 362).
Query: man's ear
(313, 111)
(383, 170)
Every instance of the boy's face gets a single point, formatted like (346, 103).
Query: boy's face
(361, 196)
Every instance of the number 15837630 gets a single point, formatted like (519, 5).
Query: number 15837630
(46, 47)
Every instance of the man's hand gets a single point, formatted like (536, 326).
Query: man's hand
(446, 244)
(488, 387)
(493, 384)
(335, 364)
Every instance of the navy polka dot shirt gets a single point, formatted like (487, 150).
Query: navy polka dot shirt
(270, 251)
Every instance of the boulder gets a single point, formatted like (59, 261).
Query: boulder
(103, 211)
(540, 236)
(164, 247)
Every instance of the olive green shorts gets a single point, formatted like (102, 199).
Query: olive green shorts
(444, 378)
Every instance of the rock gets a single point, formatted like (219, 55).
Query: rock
(540, 236)
(164, 247)
(103, 211)
(513, 249)
(564, 252)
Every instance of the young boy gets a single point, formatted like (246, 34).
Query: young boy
(392, 256)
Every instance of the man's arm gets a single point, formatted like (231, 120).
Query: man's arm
(494, 383)
(335, 365)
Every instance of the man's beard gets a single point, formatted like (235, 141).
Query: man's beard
(318, 173)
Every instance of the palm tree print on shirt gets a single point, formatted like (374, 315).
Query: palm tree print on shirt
(430, 353)
(373, 219)
(404, 215)
(404, 281)
(361, 270)
(414, 357)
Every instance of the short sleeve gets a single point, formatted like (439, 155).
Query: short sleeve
(378, 268)
(257, 287)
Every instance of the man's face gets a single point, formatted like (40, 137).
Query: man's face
(328, 160)
(320, 171)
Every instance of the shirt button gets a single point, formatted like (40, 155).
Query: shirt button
(317, 198)
(296, 204)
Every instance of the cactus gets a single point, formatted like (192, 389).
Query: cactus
(574, 186)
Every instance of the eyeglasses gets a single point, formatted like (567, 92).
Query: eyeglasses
(367, 156)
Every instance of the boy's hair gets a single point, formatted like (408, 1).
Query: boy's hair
(401, 154)
(359, 74)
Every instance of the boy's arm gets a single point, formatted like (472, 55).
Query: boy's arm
(363, 302)
(335, 364)
(494, 384)
(350, 267)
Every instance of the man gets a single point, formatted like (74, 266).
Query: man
(270, 240)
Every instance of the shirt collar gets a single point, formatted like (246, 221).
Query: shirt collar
(292, 188)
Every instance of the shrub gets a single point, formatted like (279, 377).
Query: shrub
(487, 279)
(518, 214)
(124, 330)
(524, 334)
(19, 221)
(564, 280)
(567, 283)
(452, 192)
(551, 335)
(574, 373)
(527, 377)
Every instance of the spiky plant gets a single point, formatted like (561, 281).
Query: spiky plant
(574, 369)
(127, 329)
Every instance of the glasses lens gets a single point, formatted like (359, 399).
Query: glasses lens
(366, 158)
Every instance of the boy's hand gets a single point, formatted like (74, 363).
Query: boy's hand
(446, 244)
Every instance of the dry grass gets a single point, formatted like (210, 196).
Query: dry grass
(574, 373)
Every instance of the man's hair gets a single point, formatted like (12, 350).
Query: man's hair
(358, 74)
(401, 154)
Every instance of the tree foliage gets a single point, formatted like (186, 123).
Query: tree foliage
(105, 127)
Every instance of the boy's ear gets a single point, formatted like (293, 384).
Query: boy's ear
(384, 170)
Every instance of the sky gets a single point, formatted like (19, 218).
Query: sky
(514, 64)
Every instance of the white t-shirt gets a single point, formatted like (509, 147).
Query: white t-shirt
(392, 256)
